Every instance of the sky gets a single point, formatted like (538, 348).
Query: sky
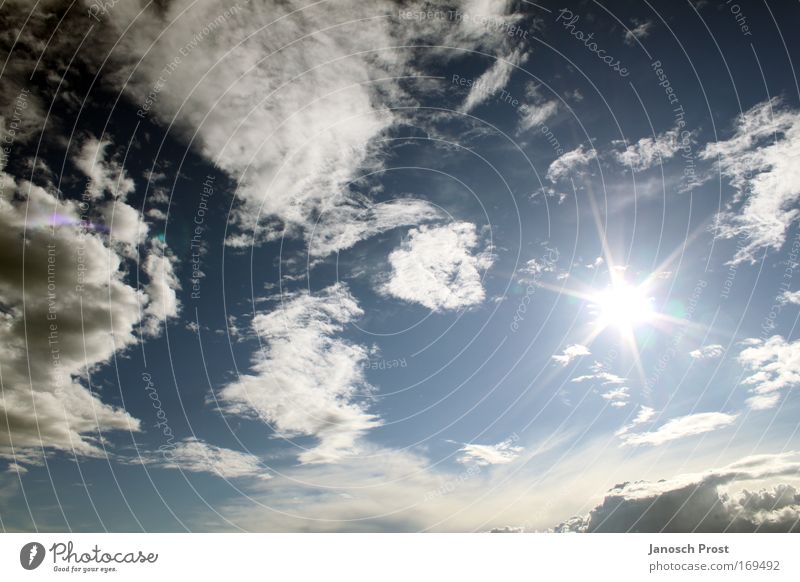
(399, 266)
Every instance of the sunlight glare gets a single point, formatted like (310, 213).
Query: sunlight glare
(623, 306)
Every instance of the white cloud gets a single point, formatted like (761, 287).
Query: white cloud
(792, 297)
(775, 366)
(319, 117)
(600, 372)
(125, 224)
(596, 264)
(648, 151)
(15, 468)
(104, 172)
(157, 214)
(708, 352)
(492, 81)
(644, 415)
(197, 456)
(569, 162)
(439, 267)
(347, 224)
(161, 287)
(535, 115)
(760, 160)
(641, 30)
(500, 454)
(538, 110)
(695, 502)
(606, 377)
(305, 380)
(679, 428)
(291, 110)
(570, 353)
(533, 269)
(618, 397)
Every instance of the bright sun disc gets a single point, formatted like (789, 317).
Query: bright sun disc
(623, 306)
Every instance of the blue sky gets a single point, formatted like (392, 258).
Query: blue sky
(399, 267)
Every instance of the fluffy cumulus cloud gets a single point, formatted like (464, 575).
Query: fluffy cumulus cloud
(60, 328)
(759, 158)
(680, 428)
(499, 454)
(197, 456)
(126, 226)
(67, 303)
(699, 502)
(570, 353)
(709, 352)
(305, 380)
(775, 367)
(568, 163)
(439, 267)
(648, 151)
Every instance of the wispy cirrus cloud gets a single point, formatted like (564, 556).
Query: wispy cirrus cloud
(775, 367)
(680, 428)
(639, 31)
(501, 453)
(759, 160)
(493, 80)
(197, 456)
(347, 224)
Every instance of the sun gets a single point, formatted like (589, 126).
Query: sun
(622, 306)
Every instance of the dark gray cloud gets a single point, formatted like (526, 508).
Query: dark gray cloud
(696, 503)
